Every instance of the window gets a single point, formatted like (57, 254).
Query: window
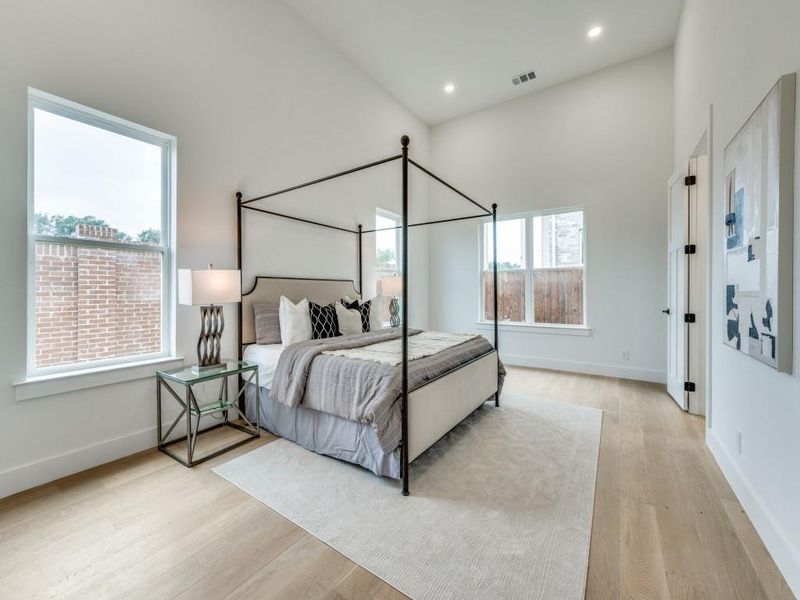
(387, 252)
(387, 244)
(541, 269)
(99, 217)
(511, 271)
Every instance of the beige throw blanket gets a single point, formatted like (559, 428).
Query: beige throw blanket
(390, 352)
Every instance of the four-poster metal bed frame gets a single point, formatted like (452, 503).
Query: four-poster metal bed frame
(359, 232)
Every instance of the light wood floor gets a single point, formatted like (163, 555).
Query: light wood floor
(666, 524)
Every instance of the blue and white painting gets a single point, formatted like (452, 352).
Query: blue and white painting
(755, 261)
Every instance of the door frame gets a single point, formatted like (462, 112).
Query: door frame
(703, 148)
(699, 279)
(700, 204)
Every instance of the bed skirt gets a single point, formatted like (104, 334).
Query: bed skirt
(323, 433)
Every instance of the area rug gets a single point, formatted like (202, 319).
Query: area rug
(500, 508)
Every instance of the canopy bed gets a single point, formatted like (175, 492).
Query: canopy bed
(378, 398)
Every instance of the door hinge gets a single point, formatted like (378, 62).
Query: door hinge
(690, 180)
(688, 386)
(690, 249)
(689, 318)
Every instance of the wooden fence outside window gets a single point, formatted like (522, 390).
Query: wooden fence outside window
(557, 296)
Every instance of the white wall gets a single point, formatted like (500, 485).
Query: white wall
(730, 55)
(603, 141)
(257, 101)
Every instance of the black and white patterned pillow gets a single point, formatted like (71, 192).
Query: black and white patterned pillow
(363, 309)
(324, 323)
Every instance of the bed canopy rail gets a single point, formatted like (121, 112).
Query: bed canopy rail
(359, 231)
(447, 185)
(323, 179)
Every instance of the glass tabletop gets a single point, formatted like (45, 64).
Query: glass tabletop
(229, 366)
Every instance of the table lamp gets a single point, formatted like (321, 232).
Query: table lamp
(208, 289)
(393, 287)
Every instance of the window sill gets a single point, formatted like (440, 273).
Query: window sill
(61, 383)
(580, 330)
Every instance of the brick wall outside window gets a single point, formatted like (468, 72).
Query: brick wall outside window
(95, 303)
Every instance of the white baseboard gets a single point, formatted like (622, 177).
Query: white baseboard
(573, 366)
(49, 469)
(785, 554)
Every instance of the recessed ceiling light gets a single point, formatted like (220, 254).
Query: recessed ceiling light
(449, 88)
(595, 31)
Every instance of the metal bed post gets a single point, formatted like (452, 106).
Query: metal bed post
(494, 287)
(404, 407)
(239, 264)
(239, 380)
(360, 266)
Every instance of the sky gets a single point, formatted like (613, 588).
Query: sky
(83, 170)
(510, 242)
(385, 239)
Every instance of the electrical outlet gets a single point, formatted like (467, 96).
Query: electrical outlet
(739, 442)
(626, 354)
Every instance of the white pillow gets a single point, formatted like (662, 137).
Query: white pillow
(375, 322)
(349, 319)
(295, 321)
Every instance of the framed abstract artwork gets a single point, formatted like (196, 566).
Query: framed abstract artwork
(759, 238)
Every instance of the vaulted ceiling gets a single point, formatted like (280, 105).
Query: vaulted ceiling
(413, 48)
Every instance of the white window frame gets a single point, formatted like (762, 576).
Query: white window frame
(89, 116)
(530, 323)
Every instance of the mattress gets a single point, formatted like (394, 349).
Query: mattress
(266, 357)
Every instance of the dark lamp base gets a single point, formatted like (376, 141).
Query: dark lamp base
(212, 323)
(394, 312)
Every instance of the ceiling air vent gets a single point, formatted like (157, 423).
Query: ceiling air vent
(523, 77)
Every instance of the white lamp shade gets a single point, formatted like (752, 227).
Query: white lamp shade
(391, 286)
(209, 286)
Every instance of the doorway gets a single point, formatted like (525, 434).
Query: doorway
(688, 249)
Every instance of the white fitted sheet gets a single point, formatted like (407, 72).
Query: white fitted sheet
(266, 357)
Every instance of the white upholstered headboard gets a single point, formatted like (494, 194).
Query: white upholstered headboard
(270, 289)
